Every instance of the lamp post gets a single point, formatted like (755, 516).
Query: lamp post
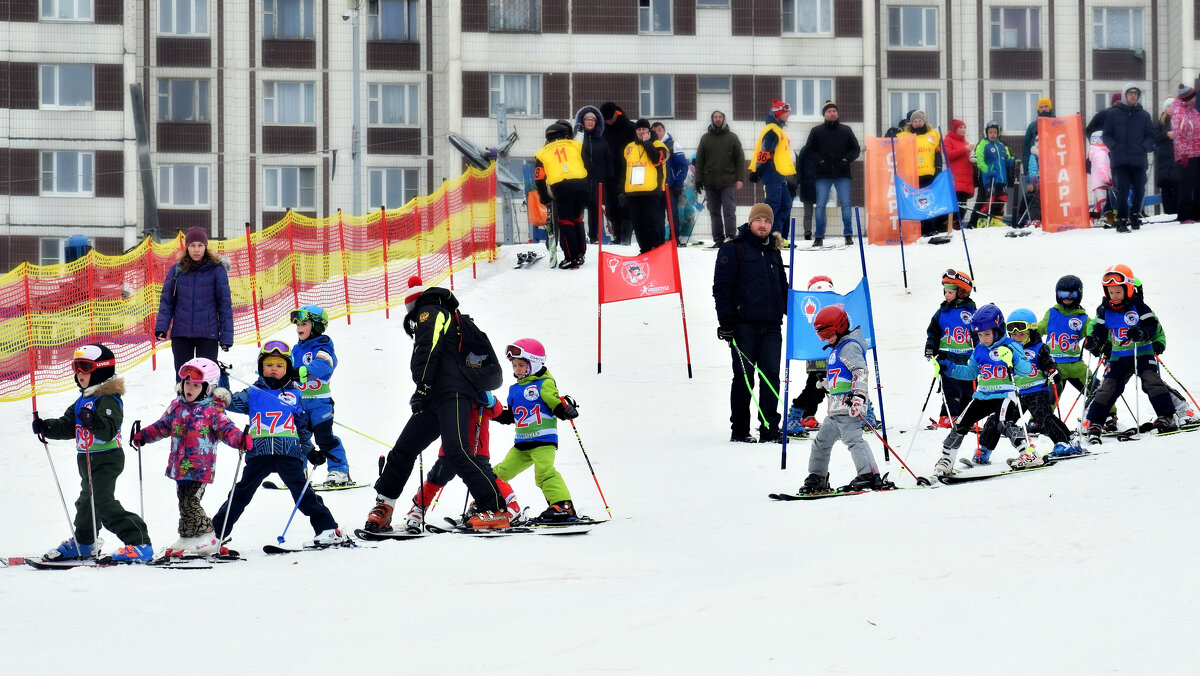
(356, 96)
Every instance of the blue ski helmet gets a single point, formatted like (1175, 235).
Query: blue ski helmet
(1069, 287)
(1021, 320)
(986, 318)
(312, 313)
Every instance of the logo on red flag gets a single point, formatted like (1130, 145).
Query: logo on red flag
(626, 277)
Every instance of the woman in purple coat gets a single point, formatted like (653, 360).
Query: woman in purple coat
(195, 306)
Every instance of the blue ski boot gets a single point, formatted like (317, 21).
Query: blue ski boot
(133, 554)
(794, 424)
(983, 456)
(71, 550)
(1064, 449)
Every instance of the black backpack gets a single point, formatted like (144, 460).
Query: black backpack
(476, 358)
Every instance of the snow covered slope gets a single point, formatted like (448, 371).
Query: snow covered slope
(1086, 567)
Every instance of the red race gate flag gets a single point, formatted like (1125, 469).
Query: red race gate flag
(1063, 179)
(626, 277)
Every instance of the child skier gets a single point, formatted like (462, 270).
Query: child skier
(1034, 389)
(279, 427)
(1127, 334)
(94, 420)
(441, 473)
(949, 337)
(995, 362)
(1064, 325)
(995, 162)
(846, 382)
(195, 421)
(533, 405)
(314, 360)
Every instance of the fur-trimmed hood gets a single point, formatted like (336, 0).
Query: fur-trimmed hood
(220, 396)
(114, 386)
(599, 119)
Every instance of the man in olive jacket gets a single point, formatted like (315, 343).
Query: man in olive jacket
(720, 162)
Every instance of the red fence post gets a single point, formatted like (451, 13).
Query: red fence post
(29, 335)
(345, 277)
(253, 286)
(387, 303)
(91, 284)
(151, 319)
(291, 224)
(449, 236)
(471, 210)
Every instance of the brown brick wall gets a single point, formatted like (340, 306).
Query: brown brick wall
(1117, 64)
(284, 139)
(1016, 63)
(393, 141)
(596, 88)
(756, 17)
(474, 16)
(848, 95)
(109, 86)
(171, 221)
(190, 52)
(110, 173)
(556, 96)
(289, 53)
(913, 64)
(393, 55)
(555, 17)
(613, 17)
(183, 137)
(683, 17)
(108, 12)
(23, 86)
(847, 19)
(475, 93)
(22, 10)
(685, 97)
(23, 167)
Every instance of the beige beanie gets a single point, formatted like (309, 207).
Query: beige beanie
(761, 209)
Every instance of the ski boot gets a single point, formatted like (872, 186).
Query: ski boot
(177, 548)
(983, 456)
(815, 484)
(1165, 423)
(1064, 449)
(133, 554)
(414, 519)
(71, 550)
(562, 511)
(870, 481)
(380, 518)
(336, 478)
(1122, 225)
(1026, 460)
(329, 538)
(488, 521)
(944, 466)
(743, 438)
(1110, 424)
(795, 422)
(771, 436)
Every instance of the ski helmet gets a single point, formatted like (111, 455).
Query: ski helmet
(528, 349)
(987, 318)
(989, 125)
(820, 283)
(1021, 320)
(277, 348)
(1069, 287)
(312, 313)
(95, 359)
(959, 279)
(203, 371)
(831, 321)
(558, 130)
(1120, 275)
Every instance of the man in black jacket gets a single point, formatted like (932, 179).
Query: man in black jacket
(441, 406)
(1129, 136)
(750, 290)
(618, 132)
(597, 157)
(833, 146)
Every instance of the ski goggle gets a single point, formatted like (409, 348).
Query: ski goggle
(276, 347)
(1019, 326)
(955, 274)
(1066, 294)
(192, 373)
(1116, 278)
(303, 315)
(87, 365)
(516, 352)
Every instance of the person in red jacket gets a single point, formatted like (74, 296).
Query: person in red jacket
(441, 473)
(960, 155)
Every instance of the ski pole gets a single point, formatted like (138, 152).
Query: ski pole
(347, 427)
(921, 481)
(54, 473)
(746, 378)
(921, 419)
(229, 500)
(295, 508)
(1185, 389)
(756, 369)
(137, 427)
(589, 461)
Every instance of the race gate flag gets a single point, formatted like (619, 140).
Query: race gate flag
(1064, 185)
(883, 218)
(802, 340)
(626, 277)
(936, 199)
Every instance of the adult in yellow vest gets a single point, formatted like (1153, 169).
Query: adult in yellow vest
(644, 181)
(774, 164)
(562, 182)
(929, 161)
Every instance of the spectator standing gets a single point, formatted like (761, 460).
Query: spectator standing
(1129, 135)
(1185, 124)
(676, 170)
(834, 147)
(719, 170)
(1045, 108)
(929, 160)
(195, 308)
(806, 169)
(618, 132)
(1097, 122)
(1166, 170)
(962, 165)
(644, 181)
(774, 165)
(598, 159)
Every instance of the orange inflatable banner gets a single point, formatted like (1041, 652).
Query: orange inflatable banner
(1062, 173)
(883, 222)
(654, 273)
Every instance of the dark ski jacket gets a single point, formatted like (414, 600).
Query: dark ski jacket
(597, 156)
(1030, 137)
(435, 360)
(197, 304)
(618, 135)
(720, 159)
(1129, 135)
(834, 147)
(749, 284)
(1166, 169)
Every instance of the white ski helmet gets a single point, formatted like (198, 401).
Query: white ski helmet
(528, 349)
(820, 283)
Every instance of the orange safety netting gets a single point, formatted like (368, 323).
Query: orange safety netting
(343, 263)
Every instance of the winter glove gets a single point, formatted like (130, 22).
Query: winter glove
(699, 188)
(417, 401)
(137, 439)
(487, 399)
(1005, 355)
(725, 333)
(87, 418)
(316, 456)
(505, 417)
(225, 347)
(1092, 343)
(754, 177)
(160, 335)
(855, 401)
(1136, 334)
(302, 375)
(930, 352)
(1159, 348)
(247, 440)
(40, 428)
(567, 410)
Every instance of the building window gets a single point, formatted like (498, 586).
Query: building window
(1014, 110)
(654, 16)
(67, 86)
(912, 26)
(656, 96)
(518, 93)
(50, 250)
(66, 172)
(67, 10)
(899, 103)
(1102, 101)
(183, 100)
(713, 84)
(712, 3)
(183, 186)
(288, 103)
(807, 95)
(288, 19)
(514, 15)
(289, 188)
(808, 17)
(1016, 28)
(393, 187)
(392, 104)
(183, 17)
(1117, 28)
(392, 20)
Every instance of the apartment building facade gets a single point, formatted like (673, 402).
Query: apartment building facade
(250, 105)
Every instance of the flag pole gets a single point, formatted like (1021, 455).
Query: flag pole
(962, 228)
(687, 349)
(787, 362)
(899, 223)
(862, 255)
(599, 271)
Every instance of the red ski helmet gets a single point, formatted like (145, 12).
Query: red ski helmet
(831, 321)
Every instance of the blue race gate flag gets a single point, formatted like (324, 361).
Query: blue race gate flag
(802, 340)
(918, 204)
